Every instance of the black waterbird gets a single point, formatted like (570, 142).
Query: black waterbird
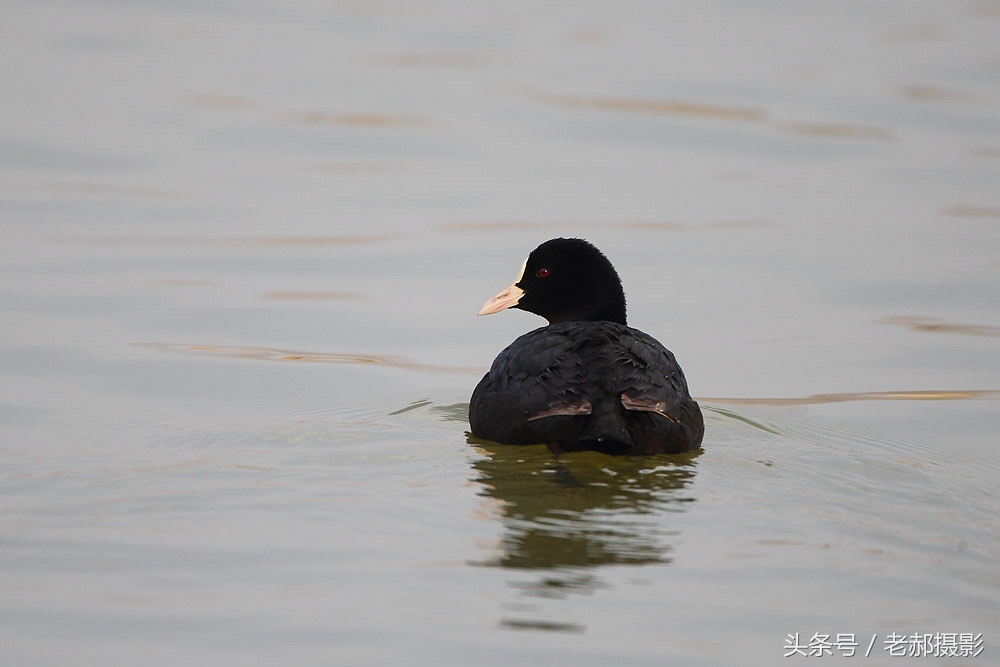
(587, 380)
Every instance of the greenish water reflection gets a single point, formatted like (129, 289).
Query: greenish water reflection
(582, 510)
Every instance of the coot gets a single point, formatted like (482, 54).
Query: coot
(587, 380)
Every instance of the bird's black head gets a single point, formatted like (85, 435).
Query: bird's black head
(565, 280)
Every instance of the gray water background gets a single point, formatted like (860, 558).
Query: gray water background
(241, 249)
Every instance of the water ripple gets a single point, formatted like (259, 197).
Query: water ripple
(574, 226)
(918, 323)
(712, 111)
(272, 354)
(236, 241)
(817, 399)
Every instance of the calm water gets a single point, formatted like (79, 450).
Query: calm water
(241, 249)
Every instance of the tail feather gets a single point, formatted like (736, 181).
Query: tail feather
(606, 429)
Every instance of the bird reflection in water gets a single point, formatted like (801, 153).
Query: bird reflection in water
(564, 517)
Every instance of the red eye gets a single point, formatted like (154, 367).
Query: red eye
(542, 272)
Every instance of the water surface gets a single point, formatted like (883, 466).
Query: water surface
(243, 245)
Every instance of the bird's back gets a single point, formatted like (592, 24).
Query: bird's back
(587, 385)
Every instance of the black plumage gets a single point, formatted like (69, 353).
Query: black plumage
(588, 380)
